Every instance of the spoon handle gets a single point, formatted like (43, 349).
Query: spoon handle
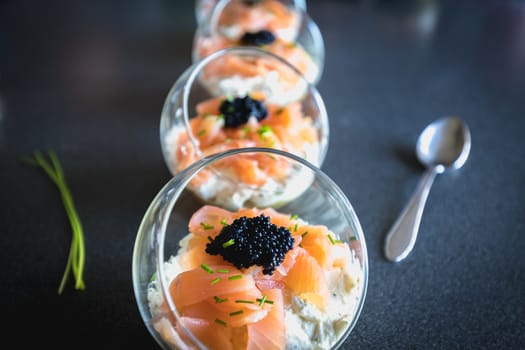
(402, 236)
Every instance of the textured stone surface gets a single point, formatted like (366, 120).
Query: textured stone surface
(89, 80)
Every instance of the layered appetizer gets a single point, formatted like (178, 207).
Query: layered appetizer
(268, 25)
(258, 179)
(257, 279)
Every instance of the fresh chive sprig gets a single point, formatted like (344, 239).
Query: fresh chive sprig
(77, 252)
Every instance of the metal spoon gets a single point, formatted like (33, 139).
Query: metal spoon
(443, 144)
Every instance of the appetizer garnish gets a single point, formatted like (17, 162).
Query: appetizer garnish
(260, 38)
(252, 241)
(238, 110)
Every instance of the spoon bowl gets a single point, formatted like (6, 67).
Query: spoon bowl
(443, 144)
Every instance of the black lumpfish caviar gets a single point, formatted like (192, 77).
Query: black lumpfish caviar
(252, 241)
(251, 2)
(262, 37)
(237, 111)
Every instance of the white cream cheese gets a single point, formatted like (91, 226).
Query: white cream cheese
(277, 90)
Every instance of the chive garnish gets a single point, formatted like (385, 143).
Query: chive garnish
(223, 270)
(153, 277)
(201, 132)
(294, 217)
(238, 312)
(304, 233)
(221, 322)
(206, 268)
(264, 300)
(228, 243)
(210, 239)
(206, 226)
(333, 240)
(264, 130)
(245, 301)
(295, 228)
(215, 280)
(219, 300)
(234, 277)
(76, 256)
(224, 222)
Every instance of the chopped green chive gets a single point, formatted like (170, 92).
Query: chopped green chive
(228, 243)
(224, 222)
(295, 228)
(219, 300)
(206, 268)
(263, 300)
(294, 217)
(245, 301)
(304, 233)
(215, 280)
(201, 132)
(210, 239)
(238, 312)
(279, 111)
(333, 240)
(221, 322)
(206, 226)
(153, 277)
(220, 116)
(234, 277)
(264, 130)
(223, 270)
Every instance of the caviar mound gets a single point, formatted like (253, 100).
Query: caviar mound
(238, 110)
(260, 38)
(252, 241)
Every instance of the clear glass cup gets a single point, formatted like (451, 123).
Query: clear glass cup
(293, 35)
(319, 201)
(192, 125)
(203, 8)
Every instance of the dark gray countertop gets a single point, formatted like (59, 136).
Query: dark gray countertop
(88, 79)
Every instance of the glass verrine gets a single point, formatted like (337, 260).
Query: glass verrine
(203, 8)
(212, 108)
(211, 310)
(277, 26)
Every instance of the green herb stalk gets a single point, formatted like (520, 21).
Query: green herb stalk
(76, 258)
